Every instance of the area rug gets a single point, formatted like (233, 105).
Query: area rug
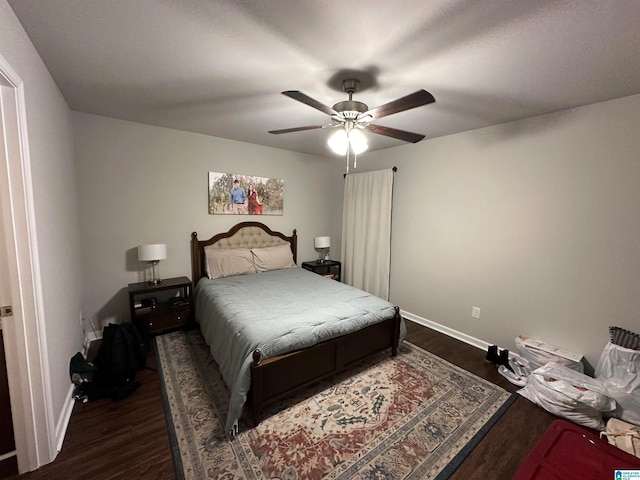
(405, 417)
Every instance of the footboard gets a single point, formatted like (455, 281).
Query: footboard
(277, 377)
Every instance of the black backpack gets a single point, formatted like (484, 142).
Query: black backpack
(122, 353)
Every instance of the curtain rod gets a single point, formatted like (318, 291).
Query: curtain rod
(395, 169)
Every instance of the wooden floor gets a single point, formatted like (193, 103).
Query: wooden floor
(129, 440)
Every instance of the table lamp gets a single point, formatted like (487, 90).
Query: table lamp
(322, 244)
(152, 254)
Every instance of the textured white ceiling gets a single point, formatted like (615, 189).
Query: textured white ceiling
(218, 67)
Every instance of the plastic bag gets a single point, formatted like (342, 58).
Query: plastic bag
(519, 371)
(568, 394)
(619, 372)
(537, 358)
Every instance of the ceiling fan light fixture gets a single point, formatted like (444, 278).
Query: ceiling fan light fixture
(358, 141)
(339, 142)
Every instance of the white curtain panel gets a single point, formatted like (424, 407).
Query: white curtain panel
(366, 231)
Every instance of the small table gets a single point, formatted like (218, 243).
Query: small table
(165, 306)
(326, 268)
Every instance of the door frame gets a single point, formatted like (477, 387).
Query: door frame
(24, 332)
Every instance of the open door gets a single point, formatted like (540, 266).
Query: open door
(7, 440)
(22, 332)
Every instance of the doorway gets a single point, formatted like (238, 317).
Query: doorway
(22, 331)
(7, 439)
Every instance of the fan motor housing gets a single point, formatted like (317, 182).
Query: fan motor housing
(350, 108)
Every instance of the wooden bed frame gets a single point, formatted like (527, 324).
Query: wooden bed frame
(277, 377)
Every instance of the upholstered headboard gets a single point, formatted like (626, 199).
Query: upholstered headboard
(242, 235)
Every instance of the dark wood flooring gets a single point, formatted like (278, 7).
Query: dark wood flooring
(128, 439)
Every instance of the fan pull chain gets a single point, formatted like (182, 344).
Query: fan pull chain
(348, 159)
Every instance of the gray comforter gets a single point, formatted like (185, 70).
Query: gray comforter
(278, 311)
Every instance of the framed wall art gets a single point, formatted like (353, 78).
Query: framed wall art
(235, 194)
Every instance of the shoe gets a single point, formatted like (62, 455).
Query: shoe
(492, 354)
(512, 377)
(519, 368)
(504, 359)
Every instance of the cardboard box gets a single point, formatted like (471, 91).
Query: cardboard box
(545, 347)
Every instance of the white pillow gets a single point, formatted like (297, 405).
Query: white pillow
(225, 262)
(273, 258)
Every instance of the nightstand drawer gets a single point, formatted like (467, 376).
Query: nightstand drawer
(162, 321)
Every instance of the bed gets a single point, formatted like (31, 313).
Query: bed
(275, 328)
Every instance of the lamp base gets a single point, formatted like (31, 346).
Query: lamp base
(154, 280)
(324, 255)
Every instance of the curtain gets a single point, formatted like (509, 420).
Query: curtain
(366, 231)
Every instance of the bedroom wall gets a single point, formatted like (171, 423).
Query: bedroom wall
(536, 222)
(56, 214)
(142, 184)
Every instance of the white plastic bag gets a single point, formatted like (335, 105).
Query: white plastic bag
(619, 371)
(568, 394)
(537, 358)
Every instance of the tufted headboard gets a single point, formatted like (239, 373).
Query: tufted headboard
(242, 235)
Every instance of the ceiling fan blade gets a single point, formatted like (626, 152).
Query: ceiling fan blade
(395, 133)
(296, 129)
(413, 100)
(307, 100)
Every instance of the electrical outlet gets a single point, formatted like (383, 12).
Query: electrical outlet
(475, 312)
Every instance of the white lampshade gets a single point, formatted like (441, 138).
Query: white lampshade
(322, 242)
(358, 141)
(152, 252)
(339, 142)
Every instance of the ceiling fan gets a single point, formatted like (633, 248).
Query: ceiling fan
(351, 116)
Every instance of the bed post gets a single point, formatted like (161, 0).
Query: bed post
(396, 332)
(294, 246)
(256, 386)
(196, 261)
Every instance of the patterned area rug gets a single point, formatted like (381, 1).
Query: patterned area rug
(409, 417)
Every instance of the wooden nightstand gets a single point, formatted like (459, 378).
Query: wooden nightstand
(327, 268)
(157, 308)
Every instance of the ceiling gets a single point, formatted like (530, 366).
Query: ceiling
(218, 67)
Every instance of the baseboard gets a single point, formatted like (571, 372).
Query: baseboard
(88, 350)
(463, 337)
(4, 456)
(65, 417)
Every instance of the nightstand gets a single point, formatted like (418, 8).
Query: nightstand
(326, 268)
(157, 308)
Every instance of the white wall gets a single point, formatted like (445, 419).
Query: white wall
(142, 184)
(55, 205)
(536, 222)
